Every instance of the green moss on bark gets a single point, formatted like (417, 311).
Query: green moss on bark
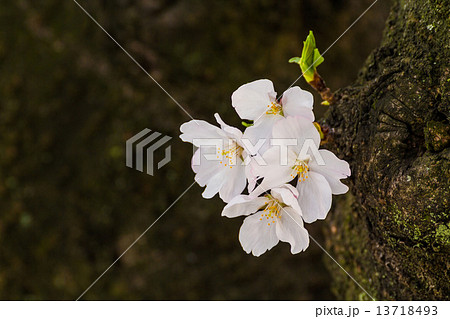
(392, 232)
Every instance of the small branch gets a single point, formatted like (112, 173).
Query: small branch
(319, 85)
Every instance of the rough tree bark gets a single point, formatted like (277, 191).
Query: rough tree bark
(392, 232)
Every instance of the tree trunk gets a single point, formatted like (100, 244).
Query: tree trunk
(392, 232)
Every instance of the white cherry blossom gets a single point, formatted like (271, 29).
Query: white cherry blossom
(316, 172)
(297, 179)
(273, 217)
(223, 171)
(257, 101)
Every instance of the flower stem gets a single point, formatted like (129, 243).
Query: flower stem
(319, 85)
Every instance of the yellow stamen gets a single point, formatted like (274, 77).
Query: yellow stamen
(272, 210)
(300, 169)
(231, 153)
(274, 108)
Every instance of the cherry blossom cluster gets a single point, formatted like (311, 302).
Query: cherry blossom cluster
(276, 161)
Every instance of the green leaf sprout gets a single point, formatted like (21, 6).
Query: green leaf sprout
(311, 58)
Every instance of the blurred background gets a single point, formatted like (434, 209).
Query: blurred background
(70, 98)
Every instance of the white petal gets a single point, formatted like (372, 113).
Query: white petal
(288, 195)
(298, 128)
(261, 130)
(214, 185)
(333, 170)
(314, 197)
(256, 236)
(290, 229)
(203, 168)
(274, 173)
(251, 100)
(243, 205)
(234, 182)
(230, 131)
(228, 182)
(251, 174)
(298, 102)
(197, 129)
